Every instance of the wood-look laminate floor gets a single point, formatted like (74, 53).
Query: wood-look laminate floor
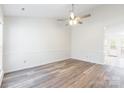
(69, 73)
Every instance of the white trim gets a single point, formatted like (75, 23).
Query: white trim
(86, 60)
(1, 77)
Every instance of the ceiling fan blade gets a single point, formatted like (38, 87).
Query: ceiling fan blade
(61, 19)
(85, 16)
(66, 24)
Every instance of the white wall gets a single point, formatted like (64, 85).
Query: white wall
(1, 63)
(1, 20)
(87, 43)
(88, 39)
(1, 44)
(1, 15)
(30, 42)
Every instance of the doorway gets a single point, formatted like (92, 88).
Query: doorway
(114, 45)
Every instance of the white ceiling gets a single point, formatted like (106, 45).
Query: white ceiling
(44, 10)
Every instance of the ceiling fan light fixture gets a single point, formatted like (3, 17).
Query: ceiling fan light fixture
(73, 22)
(72, 15)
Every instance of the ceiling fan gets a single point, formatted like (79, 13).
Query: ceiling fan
(73, 19)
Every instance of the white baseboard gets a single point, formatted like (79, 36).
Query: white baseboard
(86, 60)
(5, 72)
(1, 77)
